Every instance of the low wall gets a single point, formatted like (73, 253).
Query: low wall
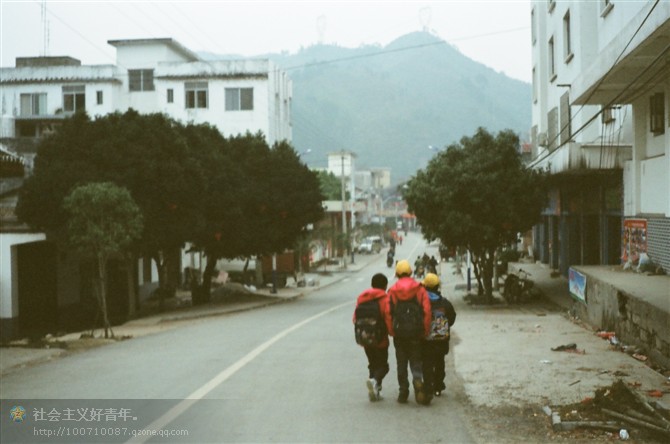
(635, 306)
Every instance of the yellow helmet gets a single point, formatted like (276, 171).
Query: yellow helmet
(403, 268)
(431, 281)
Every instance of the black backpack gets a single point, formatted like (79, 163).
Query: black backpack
(369, 328)
(407, 319)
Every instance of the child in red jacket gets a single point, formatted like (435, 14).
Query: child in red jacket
(371, 320)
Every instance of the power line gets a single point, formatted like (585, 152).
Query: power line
(602, 79)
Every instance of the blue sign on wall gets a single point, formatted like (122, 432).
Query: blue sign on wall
(577, 285)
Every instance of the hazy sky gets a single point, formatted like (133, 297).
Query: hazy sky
(494, 32)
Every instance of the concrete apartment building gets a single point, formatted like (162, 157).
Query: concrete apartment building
(601, 89)
(150, 76)
(601, 126)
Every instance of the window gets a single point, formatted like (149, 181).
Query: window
(552, 60)
(605, 7)
(170, 95)
(533, 33)
(33, 104)
(74, 98)
(141, 80)
(565, 119)
(534, 80)
(567, 39)
(239, 99)
(196, 94)
(657, 114)
(98, 97)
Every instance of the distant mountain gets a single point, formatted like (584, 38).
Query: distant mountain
(388, 104)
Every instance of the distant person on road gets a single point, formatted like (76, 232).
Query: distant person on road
(436, 345)
(371, 324)
(410, 324)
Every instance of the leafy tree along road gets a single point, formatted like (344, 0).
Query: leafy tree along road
(232, 197)
(478, 194)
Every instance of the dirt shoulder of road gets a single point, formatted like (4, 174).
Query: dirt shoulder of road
(503, 356)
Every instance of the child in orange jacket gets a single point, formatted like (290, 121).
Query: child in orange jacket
(374, 303)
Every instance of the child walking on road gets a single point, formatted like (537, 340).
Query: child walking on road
(371, 323)
(436, 345)
(410, 313)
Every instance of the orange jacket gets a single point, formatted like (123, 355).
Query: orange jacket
(369, 295)
(405, 289)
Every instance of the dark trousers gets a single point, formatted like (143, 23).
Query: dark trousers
(433, 354)
(378, 362)
(408, 353)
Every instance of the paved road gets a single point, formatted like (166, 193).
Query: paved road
(287, 373)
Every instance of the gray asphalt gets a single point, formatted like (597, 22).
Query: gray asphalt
(288, 373)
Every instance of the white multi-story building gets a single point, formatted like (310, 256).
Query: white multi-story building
(601, 89)
(150, 76)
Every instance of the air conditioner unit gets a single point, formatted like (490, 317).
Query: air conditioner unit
(542, 139)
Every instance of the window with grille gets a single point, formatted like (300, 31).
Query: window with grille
(657, 114)
(567, 39)
(141, 80)
(239, 99)
(33, 104)
(196, 94)
(74, 98)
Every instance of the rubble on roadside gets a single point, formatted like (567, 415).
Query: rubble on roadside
(618, 411)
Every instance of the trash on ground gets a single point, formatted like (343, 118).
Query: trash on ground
(617, 408)
(605, 334)
(640, 357)
(565, 347)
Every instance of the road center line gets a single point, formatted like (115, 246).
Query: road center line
(201, 392)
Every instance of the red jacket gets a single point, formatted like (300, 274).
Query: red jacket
(369, 295)
(406, 288)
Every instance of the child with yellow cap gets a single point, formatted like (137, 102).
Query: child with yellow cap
(436, 345)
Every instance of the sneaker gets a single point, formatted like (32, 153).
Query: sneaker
(402, 396)
(371, 389)
(378, 390)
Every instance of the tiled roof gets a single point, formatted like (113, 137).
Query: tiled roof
(30, 74)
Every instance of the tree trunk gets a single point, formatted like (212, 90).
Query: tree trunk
(131, 264)
(102, 286)
(200, 294)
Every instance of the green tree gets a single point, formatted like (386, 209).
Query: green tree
(146, 154)
(102, 220)
(477, 194)
(259, 202)
(331, 186)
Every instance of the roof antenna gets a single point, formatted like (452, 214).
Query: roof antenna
(45, 28)
(321, 23)
(424, 18)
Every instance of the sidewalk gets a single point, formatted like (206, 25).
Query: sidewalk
(18, 355)
(503, 355)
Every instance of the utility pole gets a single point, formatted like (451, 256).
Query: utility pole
(344, 215)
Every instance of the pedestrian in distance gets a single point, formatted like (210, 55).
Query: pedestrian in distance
(371, 324)
(410, 324)
(436, 345)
